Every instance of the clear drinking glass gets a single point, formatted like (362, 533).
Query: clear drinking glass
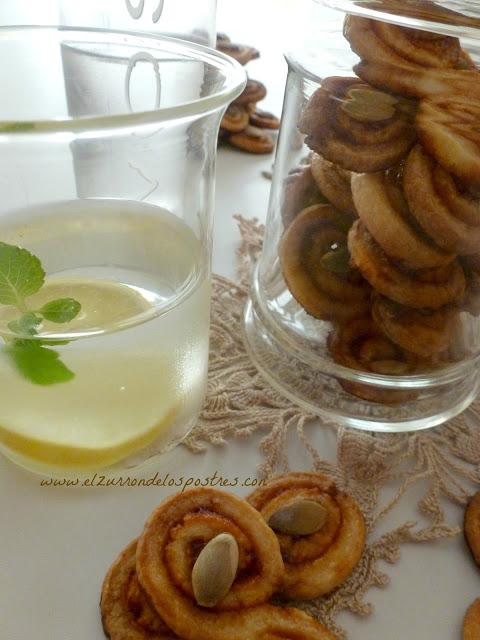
(107, 181)
(365, 302)
(193, 20)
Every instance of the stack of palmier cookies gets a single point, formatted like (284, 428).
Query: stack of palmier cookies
(382, 228)
(208, 563)
(245, 126)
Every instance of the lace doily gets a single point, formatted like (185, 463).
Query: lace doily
(239, 403)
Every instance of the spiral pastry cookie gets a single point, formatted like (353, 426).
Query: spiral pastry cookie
(253, 140)
(334, 183)
(242, 53)
(428, 288)
(423, 332)
(236, 118)
(471, 526)
(448, 129)
(357, 127)
(359, 344)
(321, 531)
(410, 62)
(471, 621)
(441, 209)
(169, 552)
(254, 91)
(300, 191)
(264, 120)
(126, 612)
(383, 210)
(316, 265)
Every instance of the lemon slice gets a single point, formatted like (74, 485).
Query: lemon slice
(105, 305)
(58, 455)
(109, 411)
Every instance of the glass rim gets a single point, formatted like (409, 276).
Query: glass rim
(298, 64)
(410, 16)
(235, 76)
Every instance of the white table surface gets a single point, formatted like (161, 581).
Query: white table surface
(56, 543)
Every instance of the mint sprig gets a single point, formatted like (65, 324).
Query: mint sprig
(22, 275)
(37, 363)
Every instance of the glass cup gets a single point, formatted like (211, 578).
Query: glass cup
(193, 20)
(107, 178)
(365, 302)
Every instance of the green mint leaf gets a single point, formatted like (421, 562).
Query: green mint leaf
(38, 364)
(61, 310)
(26, 324)
(21, 275)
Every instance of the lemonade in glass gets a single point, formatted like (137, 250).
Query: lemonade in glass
(105, 243)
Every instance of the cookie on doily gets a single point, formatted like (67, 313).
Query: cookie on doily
(204, 568)
(321, 531)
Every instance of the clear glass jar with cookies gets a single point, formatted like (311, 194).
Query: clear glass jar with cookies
(365, 302)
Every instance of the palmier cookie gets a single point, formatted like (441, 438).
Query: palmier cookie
(334, 183)
(299, 192)
(439, 216)
(206, 589)
(321, 531)
(125, 609)
(359, 345)
(384, 211)
(427, 288)
(471, 526)
(254, 92)
(242, 53)
(253, 140)
(410, 62)
(356, 126)
(471, 621)
(236, 119)
(423, 332)
(264, 120)
(448, 129)
(316, 265)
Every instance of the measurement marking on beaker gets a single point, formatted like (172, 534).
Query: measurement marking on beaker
(143, 56)
(137, 12)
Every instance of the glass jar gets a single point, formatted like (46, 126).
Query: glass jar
(193, 20)
(107, 178)
(365, 301)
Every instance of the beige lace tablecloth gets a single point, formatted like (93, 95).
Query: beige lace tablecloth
(240, 403)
